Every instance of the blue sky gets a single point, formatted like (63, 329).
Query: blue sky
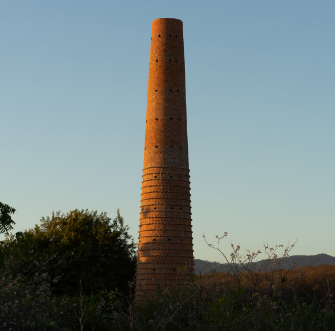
(260, 79)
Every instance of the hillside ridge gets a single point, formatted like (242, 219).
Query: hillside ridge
(203, 266)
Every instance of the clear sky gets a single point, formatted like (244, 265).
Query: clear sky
(260, 78)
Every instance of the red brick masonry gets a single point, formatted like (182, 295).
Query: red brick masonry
(165, 235)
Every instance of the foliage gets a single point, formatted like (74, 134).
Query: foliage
(27, 304)
(15, 245)
(6, 222)
(216, 307)
(24, 300)
(90, 249)
(248, 297)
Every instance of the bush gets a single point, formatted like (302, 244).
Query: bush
(90, 248)
(248, 297)
(32, 264)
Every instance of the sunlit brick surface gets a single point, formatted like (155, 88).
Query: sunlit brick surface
(165, 250)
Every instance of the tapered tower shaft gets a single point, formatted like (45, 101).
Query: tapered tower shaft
(165, 250)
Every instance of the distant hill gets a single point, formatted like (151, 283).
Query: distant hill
(204, 267)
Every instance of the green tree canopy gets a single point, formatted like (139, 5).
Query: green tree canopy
(15, 246)
(88, 248)
(6, 222)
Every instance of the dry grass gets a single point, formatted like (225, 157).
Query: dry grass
(305, 281)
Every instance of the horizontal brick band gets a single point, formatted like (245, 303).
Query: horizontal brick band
(167, 167)
(166, 186)
(165, 199)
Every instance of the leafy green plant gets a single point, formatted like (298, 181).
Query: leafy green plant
(90, 248)
(6, 222)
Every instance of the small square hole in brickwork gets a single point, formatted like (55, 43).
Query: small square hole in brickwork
(156, 60)
(170, 146)
(176, 61)
(154, 207)
(180, 118)
(169, 60)
(159, 35)
(181, 208)
(155, 90)
(154, 269)
(170, 176)
(170, 89)
(171, 207)
(153, 239)
(170, 118)
(174, 269)
(169, 35)
(156, 119)
(177, 90)
(156, 146)
(181, 239)
(169, 239)
(155, 177)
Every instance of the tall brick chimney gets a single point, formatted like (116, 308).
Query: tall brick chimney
(165, 250)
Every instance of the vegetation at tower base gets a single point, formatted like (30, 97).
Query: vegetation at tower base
(30, 298)
(88, 247)
(246, 298)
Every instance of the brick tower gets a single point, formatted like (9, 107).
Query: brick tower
(165, 250)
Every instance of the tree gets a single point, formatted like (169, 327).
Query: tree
(15, 246)
(5, 218)
(89, 249)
